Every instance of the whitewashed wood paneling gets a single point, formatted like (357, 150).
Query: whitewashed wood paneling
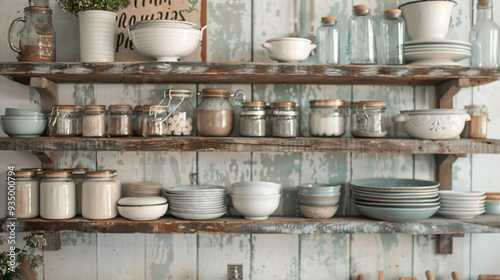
(485, 253)
(121, 256)
(275, 257)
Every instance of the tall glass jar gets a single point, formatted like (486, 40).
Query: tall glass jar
(477, 127)
(361, 45)
(485, 37)
(153, 123)
(253, 119)
(369, 119)
(78, 175)
(23, 194)
(392, 38)
(120, 120)
(100, 194)
(57, 196)
(63, 121)
(181, 114)
(327, 37)
(79, 120)
(94, 121)
(327, 118)
(285, 119)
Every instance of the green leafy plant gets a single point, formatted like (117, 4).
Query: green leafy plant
(76, 6)
(11, 272)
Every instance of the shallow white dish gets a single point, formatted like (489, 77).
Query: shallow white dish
(403, 195)
(437, 47)
(395, 200)
(397, 204)
(460, 214)
(438, 42)
(462, 194)
(395, 214)
(436, 54)
(143, 200)
(195, 189)
(143, 212)
(205, 216)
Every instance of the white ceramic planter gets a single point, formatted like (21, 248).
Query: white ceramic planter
(97, 36)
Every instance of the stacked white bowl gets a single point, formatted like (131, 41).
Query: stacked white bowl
(256, 200)
(318, 201)
(461, 204)
(196, 202)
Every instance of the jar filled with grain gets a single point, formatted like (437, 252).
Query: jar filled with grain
(140, 112)
(327, 118)
(253, 119)
(154, 122)
(23, 186)
(369, 119)
(79, 120)
(94, 121)
(477, 127)
(100, 194)
(63, 121)
(57, 196)
(285, 119)
(120, 120)
(180, 111)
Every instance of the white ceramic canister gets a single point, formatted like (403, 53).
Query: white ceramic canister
(78, 175)
(100, 194)
(22, 191)
(57, 196)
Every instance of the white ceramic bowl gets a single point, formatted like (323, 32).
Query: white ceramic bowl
(289, 49)
(256, 207)
(23, 126)
(143, 212)
(316, 212)
(434, 123)
(256, 188)
(427, 20)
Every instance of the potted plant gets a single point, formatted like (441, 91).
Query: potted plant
(15, 262)
(97, 27)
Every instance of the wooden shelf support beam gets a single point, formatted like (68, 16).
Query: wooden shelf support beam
(446, 91)
(47, 158)
(47, 90)
(444, 243)
(445, 170)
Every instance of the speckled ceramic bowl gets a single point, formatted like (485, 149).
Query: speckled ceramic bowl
(315, 212)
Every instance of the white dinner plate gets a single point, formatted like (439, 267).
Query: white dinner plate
(428, 55)
(207, 216)
(440, 42)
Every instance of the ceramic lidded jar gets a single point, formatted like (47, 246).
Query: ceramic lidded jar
(57, 196)
(100, 194)
(22, 191)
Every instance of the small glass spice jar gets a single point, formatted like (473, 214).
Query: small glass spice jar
(285, 119)
(22, 192)
(78, 175)
(57, 196)
(180, 119)
(94, 121)
(477, 127)
(120, 120)
(100, 194)
(63, 121)
(253, 119)
(369, 119)
(153, 123)
(327, 118)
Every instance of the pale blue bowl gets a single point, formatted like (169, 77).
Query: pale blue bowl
(318, 200)
(23, 126)
(319, 189)
(393, 214)
(492, 207)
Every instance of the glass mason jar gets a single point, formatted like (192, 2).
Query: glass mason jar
(215, 114)
(327, 118)
(57, 196)
(477, 127)
(140, 112)
(120, 120)
(485, 37)
(369, 119)
(253, 119)
(100, 194)
(63, 120)
(78, 175)
(285, 119)
(327, 37)
(181, 112)
(79, 120)
(392, 38)
(94, 121)
(153, 123)
(361, 45)
(23, 194)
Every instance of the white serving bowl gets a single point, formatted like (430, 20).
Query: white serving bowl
(142, 208)
(433, 124)
(256, 207)
(23, 126)
(256, 188)
(427, 20)
(289, 49)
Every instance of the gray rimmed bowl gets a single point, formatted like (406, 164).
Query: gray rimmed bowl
(318, 200)
(319, 189)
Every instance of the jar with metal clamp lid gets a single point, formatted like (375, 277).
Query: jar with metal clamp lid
(94, 121)
(119, 120)
(327, 118)
(153, 123)
(253, 119)
(369, 119)
(23, 186)
(180, 112)
(63, 120)
(285, 119)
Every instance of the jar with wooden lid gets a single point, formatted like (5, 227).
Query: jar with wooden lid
(181, 114)
(78, 175)
(57, 195)
(22, 192)
(63, 121)
(327, 118)
(94, 121)
(477, 127)
(139, 113)
(369, 119)
(120, 120)
(153, 123)
(100, 194)
(285, 119)
(38, 172)
(79, 120)
(253, 119)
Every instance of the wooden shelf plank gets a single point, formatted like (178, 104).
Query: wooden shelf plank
(277, 225)
(244, 73)
(244, 144)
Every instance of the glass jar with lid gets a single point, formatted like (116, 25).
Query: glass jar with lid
(253, 119)
(477, 127)
(22, 192)
(140, 112)
(94, 121)
(120, 120)
(392, 38)
(361, 42)
(369, 119)
(180, 111)
(327, 118)
(285, 119)
(79, 120)
(57, 196)
(100, 194)
(153, 123)
(63, 121)
(78, 175)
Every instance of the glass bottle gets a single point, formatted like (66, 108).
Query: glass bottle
(392, 38)
(361, 45)
(327, 37)
(484, 37)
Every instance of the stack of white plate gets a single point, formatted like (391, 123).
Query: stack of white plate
(196, 202)
(145, 189)
(461, 204)
(436, 52)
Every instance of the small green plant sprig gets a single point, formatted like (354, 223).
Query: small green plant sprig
(76, 6)
(22, 256)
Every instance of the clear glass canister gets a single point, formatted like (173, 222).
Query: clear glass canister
(57, 196)
(253, 119)
(327, 118)
(327, 37)
(94, 121)
(485, 37)
(361, 45)
(79, 120)
(140, 113)
(22, 192)
(120, 120)
(477, 127)
(392, 38)
(369, 119)
(153, 123)
(78, 175)
(100, 194)
(63, 120)
(285, 119)
(181, 114)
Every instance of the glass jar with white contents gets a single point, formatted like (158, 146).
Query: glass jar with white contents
(63, 121)
(23, 192)
(327, 118)
(119, 120)
(94, 121)
(369, 119)
(181, 112)
(253, 119)
(57, 196)
(100, 194)
(285, 119)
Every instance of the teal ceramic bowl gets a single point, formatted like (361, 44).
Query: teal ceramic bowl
(319, 189)
(393, 214)
(318, 200)
(17, 126)
(492, 207)
(22, 112)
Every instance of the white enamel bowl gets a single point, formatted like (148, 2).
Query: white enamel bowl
(433, 124)
(256, 207)
(256, 188)
(289, 49)
(427, 20)
(142, 208)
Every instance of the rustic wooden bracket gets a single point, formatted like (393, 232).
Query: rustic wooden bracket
(47, 158)
(444, 243)
(53, 241)
(489, 277)
(446, 91)
(445, 168)
(47, 90)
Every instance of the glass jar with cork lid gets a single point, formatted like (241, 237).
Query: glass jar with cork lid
(25, 189)
(327, 118)
(119, 120)
(63, 121)
(253, 119)
(285, 119)
(94, 121)
(100, 194)
(57, 195)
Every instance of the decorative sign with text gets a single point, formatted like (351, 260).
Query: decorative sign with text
(184, 10)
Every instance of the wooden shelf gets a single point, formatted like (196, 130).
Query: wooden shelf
(277, 225)
(244, 73)
(245, 144)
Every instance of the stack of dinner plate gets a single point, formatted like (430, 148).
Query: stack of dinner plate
(440, 52)
(396, 200)
(461, 204)
(196, 202)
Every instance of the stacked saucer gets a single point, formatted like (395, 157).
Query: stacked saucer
(440, 52)
(196, 202)
(461, 204)
(145, 189)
